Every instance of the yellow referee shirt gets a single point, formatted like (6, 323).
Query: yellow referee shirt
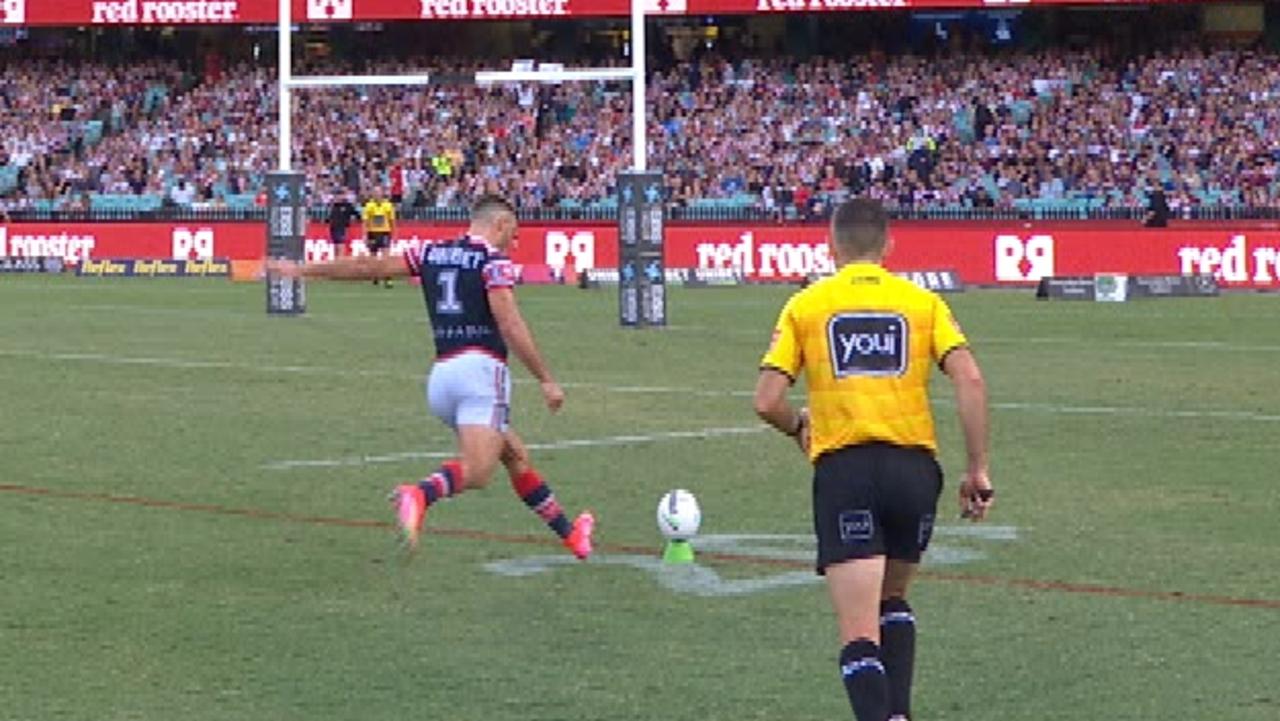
(378, 216)
(866, 341)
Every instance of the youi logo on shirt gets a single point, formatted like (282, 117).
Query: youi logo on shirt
(867, 344)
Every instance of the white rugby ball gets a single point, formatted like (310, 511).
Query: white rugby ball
(679, 515)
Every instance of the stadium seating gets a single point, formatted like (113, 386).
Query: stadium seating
(1065, 135)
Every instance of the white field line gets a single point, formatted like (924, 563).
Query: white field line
(1063, 409)
(1153, 344)
(719, 331)
(1224, 415)
(184, 364)
(626, 440)
(604, 442)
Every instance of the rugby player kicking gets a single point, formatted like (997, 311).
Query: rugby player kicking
(468, 284)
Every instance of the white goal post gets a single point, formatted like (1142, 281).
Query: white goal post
(288, 82)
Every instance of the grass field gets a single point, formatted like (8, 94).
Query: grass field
(194, 527)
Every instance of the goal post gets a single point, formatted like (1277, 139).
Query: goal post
(635, 188)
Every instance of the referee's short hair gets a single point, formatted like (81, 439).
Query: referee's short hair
(488, 206)
(860, 227)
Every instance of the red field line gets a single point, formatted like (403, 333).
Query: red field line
(541, 540)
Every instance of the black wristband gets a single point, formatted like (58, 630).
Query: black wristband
(802, 419)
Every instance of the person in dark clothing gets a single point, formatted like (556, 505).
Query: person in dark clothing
(982, 118)
(1157, 210)
(341, 212)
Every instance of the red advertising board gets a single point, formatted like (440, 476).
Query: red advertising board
(180, 12)
(1244, 255)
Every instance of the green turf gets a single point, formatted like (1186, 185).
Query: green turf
(1135, 450)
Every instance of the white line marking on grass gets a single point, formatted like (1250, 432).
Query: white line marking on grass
(181, 363)
(604, 442)
(696, 579)
(186, 364)
(1137, 412)
(674, 390)
(1151, 344)
(692, 579)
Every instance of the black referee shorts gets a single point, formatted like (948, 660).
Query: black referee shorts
(874, 499)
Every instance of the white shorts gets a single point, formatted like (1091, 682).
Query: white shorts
(470, 389)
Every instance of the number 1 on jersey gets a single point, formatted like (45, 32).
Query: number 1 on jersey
(448, 282)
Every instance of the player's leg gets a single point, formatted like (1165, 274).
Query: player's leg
(855, 595)
(386, 250)
(851, 556)
(374, 241)
(898, 636)
(459, 396)
(471, 394)
(530, 486)
(538, 496)
(480, 447)
(910, 485)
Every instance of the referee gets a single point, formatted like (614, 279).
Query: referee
(379, 224)
(866, 341)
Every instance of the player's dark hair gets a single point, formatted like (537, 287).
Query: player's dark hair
(860, 227)
(488, 205)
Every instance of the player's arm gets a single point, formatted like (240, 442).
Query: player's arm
(515, 332)
(950, 349)
(773, 407)
(346, 268)
(778, 370)
(971, 400)
(976, 492)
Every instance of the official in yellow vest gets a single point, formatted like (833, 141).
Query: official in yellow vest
(865, 342)
(379, 217)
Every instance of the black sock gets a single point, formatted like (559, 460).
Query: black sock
(864, 680)
(898, 651)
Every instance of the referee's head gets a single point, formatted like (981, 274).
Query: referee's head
(859, 231)
(493, 217)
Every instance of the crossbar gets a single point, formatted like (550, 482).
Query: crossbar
(337, 81)
(485, 77)
(633, 74)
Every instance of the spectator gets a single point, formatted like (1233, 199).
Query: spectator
(183, 194)
(341, 212)
(1157, 215)
(957, 130)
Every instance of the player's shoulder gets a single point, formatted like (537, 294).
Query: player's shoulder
(814, 292)
(432, 248)
(909, 292)
(493, 254)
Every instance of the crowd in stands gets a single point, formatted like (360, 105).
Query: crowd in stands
(133, 137)
(1055, 129)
